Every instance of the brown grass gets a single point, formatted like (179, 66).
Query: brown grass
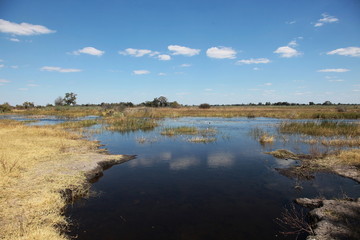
(33, 177)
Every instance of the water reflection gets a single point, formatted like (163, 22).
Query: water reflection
(184, 163)
(220, 159)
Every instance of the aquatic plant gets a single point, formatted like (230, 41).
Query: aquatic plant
(126, 124)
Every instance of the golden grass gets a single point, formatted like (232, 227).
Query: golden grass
(350, 157)
(126, 124)
(266, 139)
(33, 176)
(184, 130)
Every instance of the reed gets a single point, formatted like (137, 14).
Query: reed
(323, 128)
(202, 139)
(184, 130)
(128, 124)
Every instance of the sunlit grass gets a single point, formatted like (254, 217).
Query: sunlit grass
(32, 161)
(184, 130)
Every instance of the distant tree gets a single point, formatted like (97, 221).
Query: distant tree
(5, 107)
(163, 101)
(59, 101)
(327, 103)
(268, 103)
(175, 104)
(27, 105)
(311, 103)
(204, 106)
(70, 98)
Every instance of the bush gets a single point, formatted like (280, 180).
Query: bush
(204, 106)
(5, 107)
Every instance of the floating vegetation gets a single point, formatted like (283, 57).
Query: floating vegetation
(266, 139)
(202, 139)
(180, 131)
(143, 140)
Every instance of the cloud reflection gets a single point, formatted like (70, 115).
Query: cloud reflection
(184, 163)
(216, 160)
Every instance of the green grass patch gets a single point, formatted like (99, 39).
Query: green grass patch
(324, 128)
(77, 124)
(128, 124)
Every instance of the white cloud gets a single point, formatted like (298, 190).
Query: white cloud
(141, 72)
(162, 74)
(256, 69)
(185, 65)
(135, 52)
(349, 51)
(14, 39)
(180, 50)
(336, 80)
(23, 28)
(253, 61)
(287, 52)
(90, 51)
(4, 81)
(59, 69)
(2, 65)
(326, 19)
(208, 90)
(293, 43)
(338, 70)
(23, 89)
(164, 57)
(268, 84)
(14, 67)
(290, 22)
(221, 52)
(32, 85)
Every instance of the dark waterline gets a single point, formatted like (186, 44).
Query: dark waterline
(175, 189)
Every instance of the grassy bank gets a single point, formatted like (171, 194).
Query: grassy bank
(323, 128)
(291, 112)
(37, 165)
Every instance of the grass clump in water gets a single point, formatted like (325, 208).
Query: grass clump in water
(128, 124)
(324, 128)
(76, 124)
(202, 139)
(180, 131)
(266, 139)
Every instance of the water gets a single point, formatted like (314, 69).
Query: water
(176, 189)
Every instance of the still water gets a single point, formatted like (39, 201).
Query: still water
(176, 189)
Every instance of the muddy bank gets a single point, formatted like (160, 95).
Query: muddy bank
(333, 219)
(337, 219)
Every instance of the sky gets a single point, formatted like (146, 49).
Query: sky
(190, 51)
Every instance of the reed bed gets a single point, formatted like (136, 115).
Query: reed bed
(126, 124)
(184, 130)
(323, 128)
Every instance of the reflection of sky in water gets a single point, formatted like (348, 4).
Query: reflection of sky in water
(176, 189)
(220, 159)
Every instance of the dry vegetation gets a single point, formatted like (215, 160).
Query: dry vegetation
(291, 112)
(36, 167)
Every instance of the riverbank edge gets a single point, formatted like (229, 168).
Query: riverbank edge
(331, 218)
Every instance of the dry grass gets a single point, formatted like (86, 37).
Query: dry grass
(33, 177)
(202, 139)
(350, 157)
(180, 131)
(264, 139)
(292, 112)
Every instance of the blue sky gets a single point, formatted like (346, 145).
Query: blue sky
(218, 52)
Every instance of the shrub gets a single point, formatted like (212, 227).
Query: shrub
(204, 106)
(5, 107)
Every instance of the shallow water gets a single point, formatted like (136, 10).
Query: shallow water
(175, 189)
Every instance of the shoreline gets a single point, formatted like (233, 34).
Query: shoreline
(43, 170)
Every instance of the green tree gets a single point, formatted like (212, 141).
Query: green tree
(27, 105)
(70, 98)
